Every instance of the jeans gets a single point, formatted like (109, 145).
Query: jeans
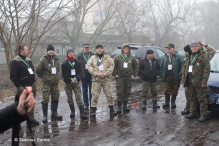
(86, 82)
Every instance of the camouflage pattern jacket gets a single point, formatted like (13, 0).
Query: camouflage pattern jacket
(200, 71)
(44, 70)
(93, 69)
(132, 68)
(209, 51)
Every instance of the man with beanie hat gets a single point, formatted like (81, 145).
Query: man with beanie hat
(207, 49)
(48, 69)
(101, 67)
(149, 69)
(71, 73)
(83, 57)
(196, 70)
(171, 66)
(125, 70)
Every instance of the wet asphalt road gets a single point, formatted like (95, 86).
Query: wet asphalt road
(161, 127)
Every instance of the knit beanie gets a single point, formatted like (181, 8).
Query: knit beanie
(50, 47)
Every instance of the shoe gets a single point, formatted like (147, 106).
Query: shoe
(155, 103)
(119, 107)
(72, 108)
(82, 114)
(186, 111)
(33, 122)
(54, 107)
(190, 116)
(202, 119)
(125, 109)
(144, 103)
(112, 112)
(44, 109)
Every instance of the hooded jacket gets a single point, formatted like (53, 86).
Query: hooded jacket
(93, 68)
(44, 70)
(147, 72)
(119, 69)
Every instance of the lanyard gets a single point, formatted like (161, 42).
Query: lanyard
(23, 61)
(86, 58)
(192, 60)
(72, 64)
(99, 59)
(123, 57)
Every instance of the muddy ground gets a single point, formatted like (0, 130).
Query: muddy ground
(161, 127)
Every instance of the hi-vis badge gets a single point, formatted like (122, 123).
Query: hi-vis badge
(197, 64)
(49, 65)
(129, 61)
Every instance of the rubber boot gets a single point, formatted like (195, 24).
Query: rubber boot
(167, 101)
(44, 109)
(185, 111)
(72, 115)
(82, 114)
(144, 103)
(190, 116)
(125, 109)
(112, 112)
(155, 103)
(119, 107)
(202, 119)
(93, 111)
(54, 107)
(173, 101)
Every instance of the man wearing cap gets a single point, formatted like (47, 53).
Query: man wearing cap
(149, 69)
(47, 69)
(196, 70)
(126, 68)
(22, 75)
(171, 66)
(71, 73)
(85, 75)
(209, 50)
(101, 67)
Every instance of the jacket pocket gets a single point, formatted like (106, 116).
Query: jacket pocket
(24, 78)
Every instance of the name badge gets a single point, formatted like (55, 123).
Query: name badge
(125, 65)
(190, 68)
(30, 71)
(170, 66)
(53, 70)
(101, 67)
(85, 66)
(73, 72)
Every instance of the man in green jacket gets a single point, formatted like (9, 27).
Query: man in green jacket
(171, 66)
(48, 70)
(195, 76)
(126, 68)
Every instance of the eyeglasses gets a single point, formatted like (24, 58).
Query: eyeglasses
(194, 46)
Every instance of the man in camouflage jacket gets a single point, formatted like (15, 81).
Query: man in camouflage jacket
(48, 70)
(209, 50)
(101, 66)
(195, 75)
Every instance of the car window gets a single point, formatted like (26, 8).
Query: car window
(181, 52)
(214, 62)
(160, 52)
(116, 51)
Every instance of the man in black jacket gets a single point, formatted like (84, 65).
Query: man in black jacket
(22, 74)
(15, 113)
(71, 72)
(85, 76)
(149, 68)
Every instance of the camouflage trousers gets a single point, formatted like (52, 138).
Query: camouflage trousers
(31, 113)
(48, 90)
(171, 87)
(107, 89)
(145, 89)
(77, 91)
(198, 95)
(187, 98)
(123, 89)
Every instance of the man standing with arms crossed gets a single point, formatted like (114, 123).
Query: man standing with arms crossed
(126, 68)
(85, 75)
(22, 74)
